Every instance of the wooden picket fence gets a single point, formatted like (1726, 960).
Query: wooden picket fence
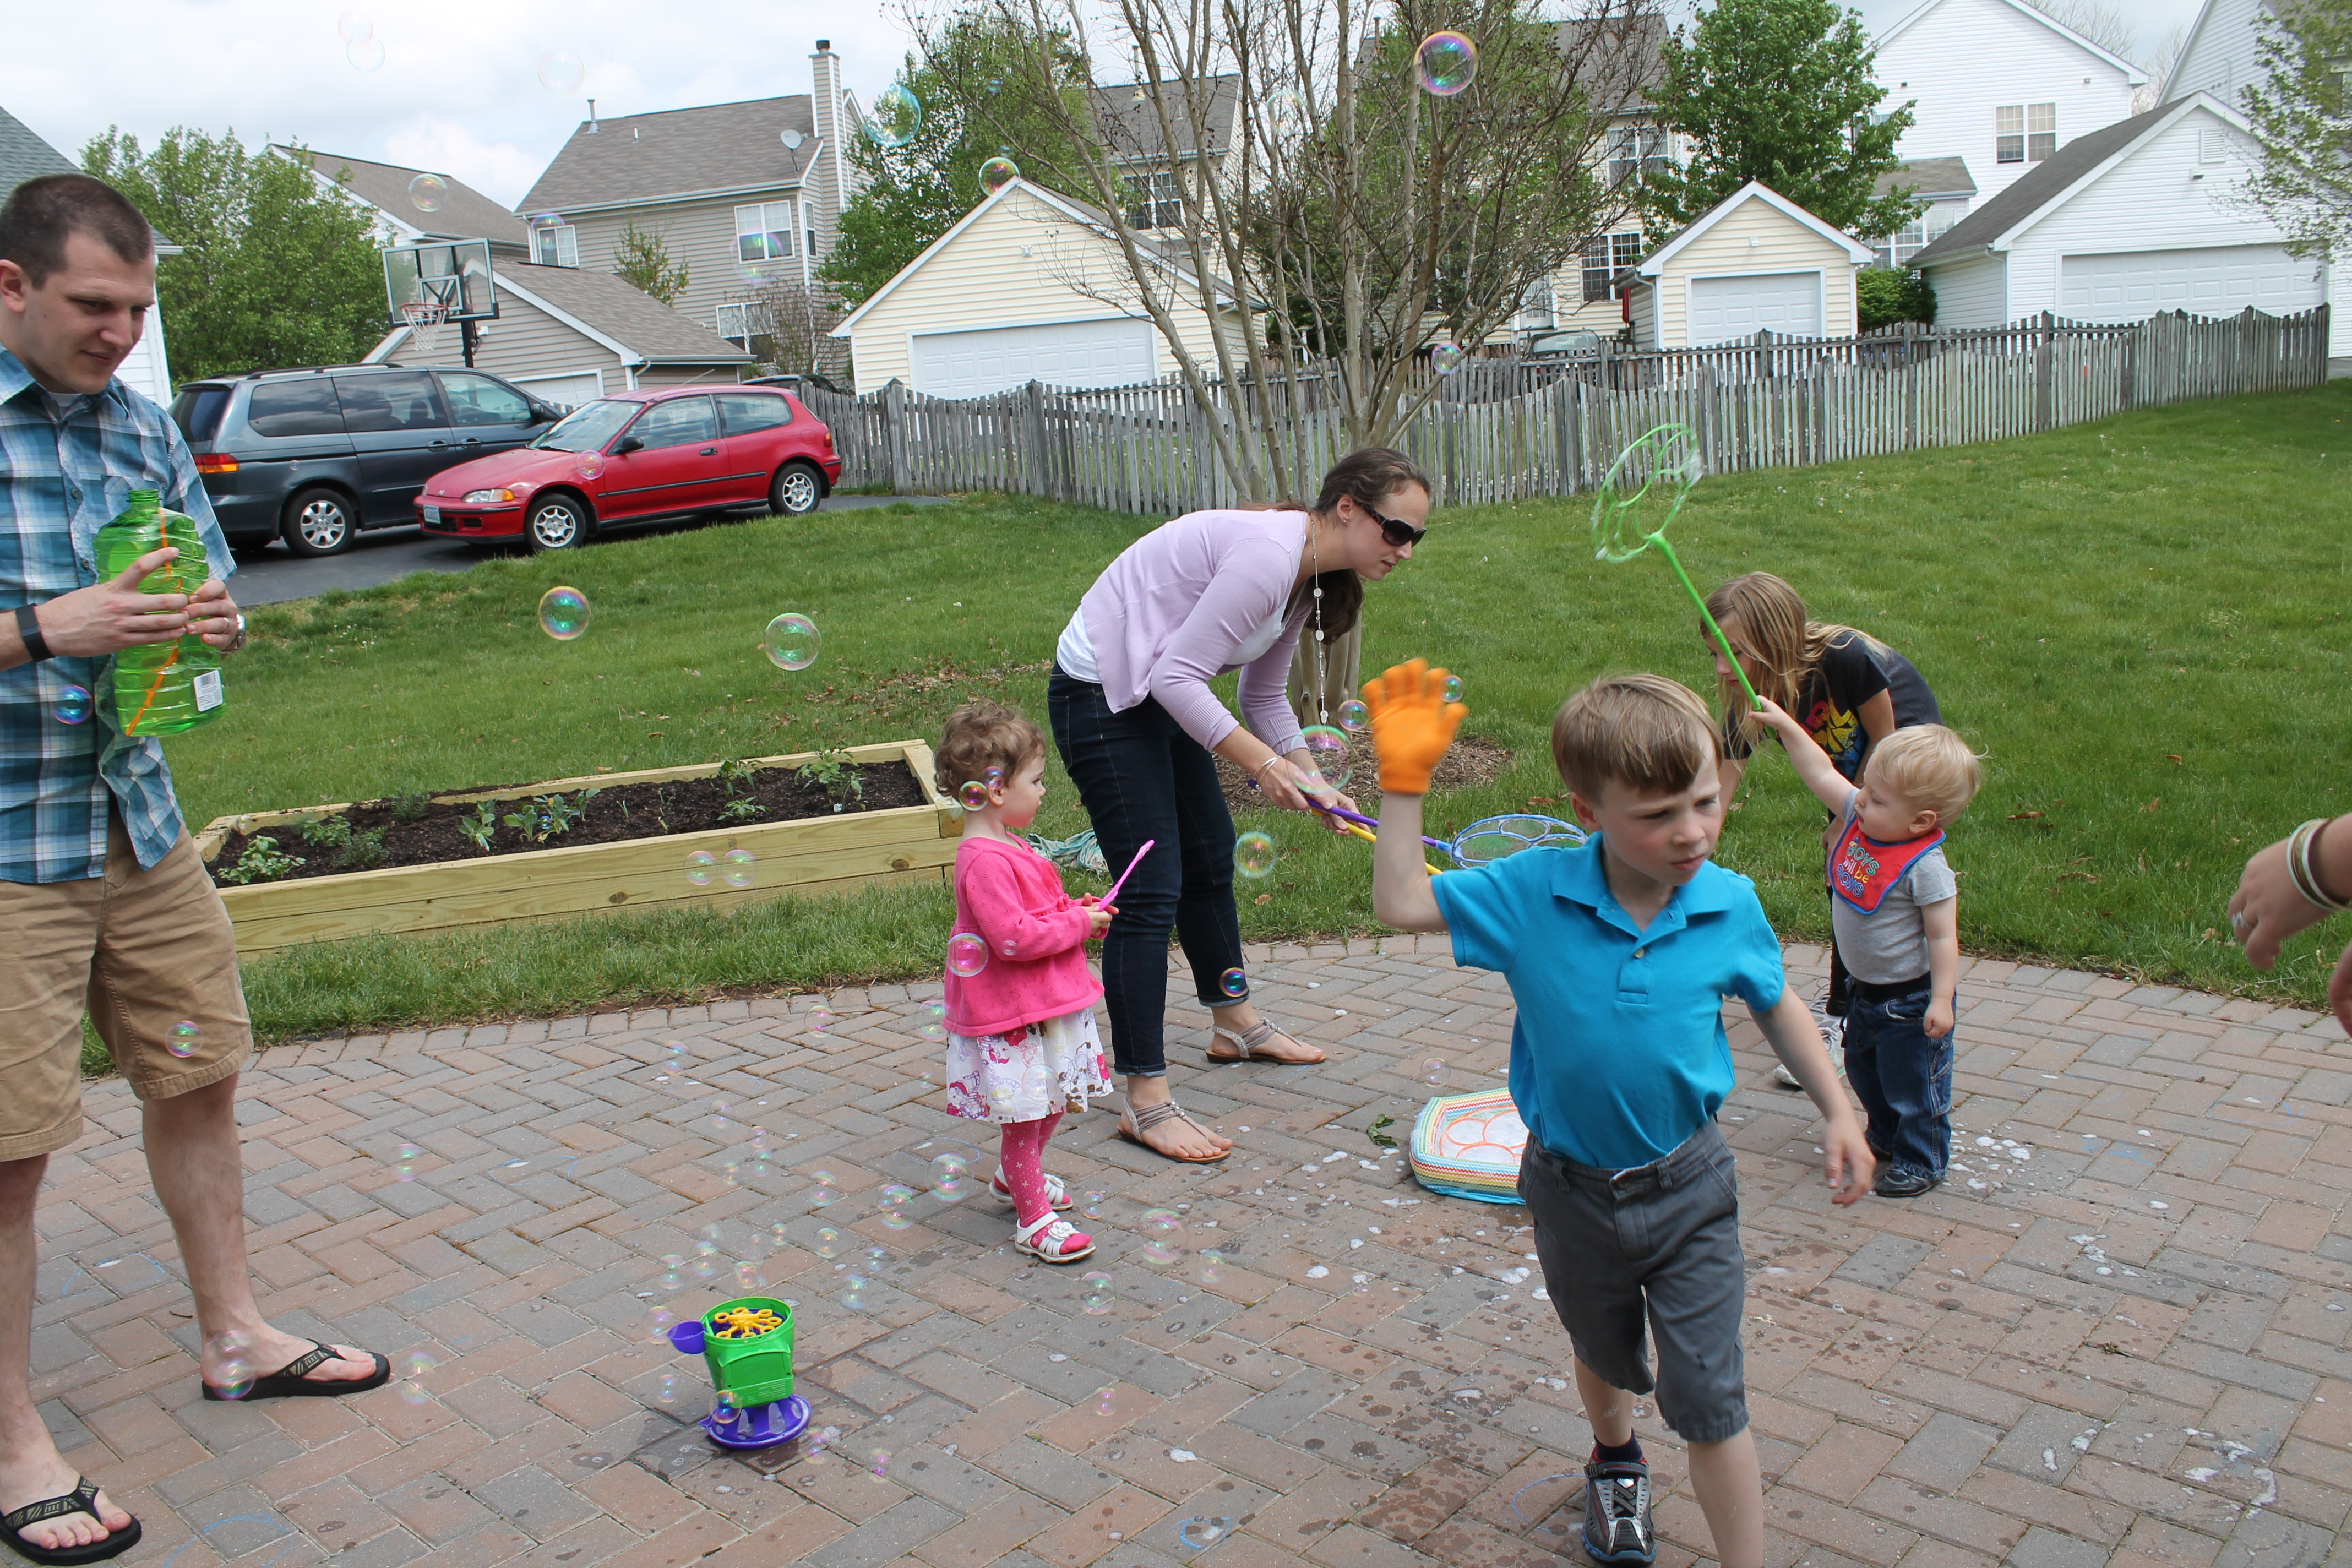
(1513, 429)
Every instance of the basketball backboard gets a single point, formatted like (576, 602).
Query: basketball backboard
(451, 272)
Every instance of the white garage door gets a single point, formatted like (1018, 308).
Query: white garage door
(1066, 354)
(1722, 308)
(2218, 280)
(564, 391)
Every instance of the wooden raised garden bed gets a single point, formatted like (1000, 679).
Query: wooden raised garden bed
(512, 880)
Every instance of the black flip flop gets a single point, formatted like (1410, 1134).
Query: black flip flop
(289, 1381)
(83, 1498)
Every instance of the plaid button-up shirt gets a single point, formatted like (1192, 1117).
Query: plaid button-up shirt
(67, 465)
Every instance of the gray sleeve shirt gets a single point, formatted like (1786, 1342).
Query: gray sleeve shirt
(1889, 945)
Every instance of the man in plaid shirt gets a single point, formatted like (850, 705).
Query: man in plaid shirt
(104, 905)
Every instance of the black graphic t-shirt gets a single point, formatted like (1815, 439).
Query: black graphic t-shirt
(1850, 674)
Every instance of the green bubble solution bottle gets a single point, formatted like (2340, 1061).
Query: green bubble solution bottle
(160, 688)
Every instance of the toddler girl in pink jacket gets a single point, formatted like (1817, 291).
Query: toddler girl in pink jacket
(1021, 1020)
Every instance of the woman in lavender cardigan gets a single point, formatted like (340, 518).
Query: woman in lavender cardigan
(1135, 721)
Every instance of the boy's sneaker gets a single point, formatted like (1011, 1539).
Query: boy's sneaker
(1905, 1184)
(1833, 1030)
(1617, 1524)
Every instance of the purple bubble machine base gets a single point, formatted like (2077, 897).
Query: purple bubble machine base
(762, 1426)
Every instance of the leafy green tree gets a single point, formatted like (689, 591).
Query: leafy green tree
(643, 258)
(274, 270)
(1781, 91)
(968, 75)
(1883, 296)
(2298, 111)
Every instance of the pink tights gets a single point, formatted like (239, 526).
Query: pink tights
(1020, 1159)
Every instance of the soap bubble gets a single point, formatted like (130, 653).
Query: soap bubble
(896, 118)
(881, 1470)
(700, 866)
(72, 706)
(1328, 748)
(1446, 358)
(428, 191)
(974, 795)
(824, 1194)
(589, 465)
(1097, 1296)
(1200, 1532)
(951, 1177)
(354, 26)
(1163, 1234)
(560, 71)
(1354, 716)
(828, 1242)
(404, 1162)
(853, 1294)
(1451, 691)
(821, 1020)
(676, 1049)
(934, 1026)
(1433, 1071)
(414, 1366)
(1445, 63)
(1095, 1205)
(894, 1201)
(792, 642)
(992, 776)
(665, 1389)
(658, 1323)
(994, 84)
(673, 1279)
(726, 1406)
(1254, 855)
(878, 1257)
(233, 1371)
(705, 1260)
(366, 54)
(1212, 1265)
(749, 1278)
(721, 1111)
(1107, 1396)
(185, 1039)
(741, 868)
(967, 955)
(564, 613)
(997, 173)
(1234, 983)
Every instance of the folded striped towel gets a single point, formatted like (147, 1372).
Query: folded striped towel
(1468, 1146)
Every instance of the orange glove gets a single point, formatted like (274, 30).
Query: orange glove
(1412, 725)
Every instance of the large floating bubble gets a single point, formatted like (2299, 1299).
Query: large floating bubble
(896, 118)
(428, 191)
(1329, 750)
(564, 613)
(1254, 855)
(967, 955)
(1445, 63)
(997, 173)
(792, 642)
(1446, 358)
(1354, 716)
(560, 71)
(72, 706)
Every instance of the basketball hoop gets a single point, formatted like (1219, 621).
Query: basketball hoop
(425, 317)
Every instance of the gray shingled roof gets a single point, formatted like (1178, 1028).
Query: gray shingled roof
(679, 152)
(621, 312)
(24, 156)
(1131, 122)
(1929, 177)
(2049, 179)
(465, 213)
(1619, 57)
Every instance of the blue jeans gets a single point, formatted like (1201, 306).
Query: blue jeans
(1902, 1078)
(1141, 777)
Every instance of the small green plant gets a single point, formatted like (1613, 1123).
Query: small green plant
(261, 862)
(478, 827)
(411, 807)
(733, 772)
(328, 833)
(836, 773)
(741, 810)
(549, 815)
(365, 851)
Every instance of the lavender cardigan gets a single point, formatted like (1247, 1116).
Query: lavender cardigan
(1167, 616)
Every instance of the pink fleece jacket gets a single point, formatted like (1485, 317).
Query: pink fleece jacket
(1036, 934)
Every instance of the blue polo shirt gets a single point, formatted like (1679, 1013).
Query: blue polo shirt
(1619, 1053)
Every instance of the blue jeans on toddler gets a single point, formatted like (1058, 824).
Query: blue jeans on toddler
(1902, 1078)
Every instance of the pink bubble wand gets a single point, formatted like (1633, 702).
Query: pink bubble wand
(1131, 865)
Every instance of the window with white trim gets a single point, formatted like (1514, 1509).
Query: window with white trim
(2025, 132)
(1155, 200)
(763, 232)
(744, 319)
(555, 244)
(1637, 152)
(1605, 257)
(808, 229)
(1898, 250)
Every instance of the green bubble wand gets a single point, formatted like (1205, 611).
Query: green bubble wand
(1666, 456)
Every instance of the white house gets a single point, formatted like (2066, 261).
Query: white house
(1756, 261)
(1998, 84)
(2221, 55)
(2121, 224)
(1028, 286)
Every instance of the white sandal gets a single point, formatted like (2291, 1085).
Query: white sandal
(1051, 1240)
(1056, 1193)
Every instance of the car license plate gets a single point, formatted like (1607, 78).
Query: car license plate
(432, 517)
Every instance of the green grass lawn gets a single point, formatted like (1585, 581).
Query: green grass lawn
(2142, 622)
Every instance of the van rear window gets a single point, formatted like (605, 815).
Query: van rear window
(305, 407)
(197, 411)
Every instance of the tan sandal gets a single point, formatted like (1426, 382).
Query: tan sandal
(1251, 1042)
(1151, 1116)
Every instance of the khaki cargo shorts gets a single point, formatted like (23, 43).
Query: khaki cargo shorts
(146, 953)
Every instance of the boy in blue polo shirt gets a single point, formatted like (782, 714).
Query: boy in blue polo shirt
(1618, 954)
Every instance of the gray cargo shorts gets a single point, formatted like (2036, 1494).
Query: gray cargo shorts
(1662, 1238)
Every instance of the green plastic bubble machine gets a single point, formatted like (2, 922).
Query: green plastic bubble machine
(747, 1344)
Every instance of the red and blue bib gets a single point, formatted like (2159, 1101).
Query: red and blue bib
(1862, 871)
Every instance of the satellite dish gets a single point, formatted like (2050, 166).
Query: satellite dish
(792, 140)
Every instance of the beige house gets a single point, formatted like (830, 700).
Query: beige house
(743, 194)
(1029, 286)
(1756, 261)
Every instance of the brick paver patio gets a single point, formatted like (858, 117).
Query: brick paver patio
(2117, 1336)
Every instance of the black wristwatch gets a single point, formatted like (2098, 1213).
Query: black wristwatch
(28, 627)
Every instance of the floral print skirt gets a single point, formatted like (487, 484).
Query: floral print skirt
(993, 1078)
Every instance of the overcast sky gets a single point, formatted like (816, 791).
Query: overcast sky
(458, 87)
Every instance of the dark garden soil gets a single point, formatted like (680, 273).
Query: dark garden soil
(415, 832)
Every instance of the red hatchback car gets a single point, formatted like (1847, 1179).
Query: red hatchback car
(637, 457)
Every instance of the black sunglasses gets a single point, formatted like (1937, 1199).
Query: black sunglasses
(1398, 534)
